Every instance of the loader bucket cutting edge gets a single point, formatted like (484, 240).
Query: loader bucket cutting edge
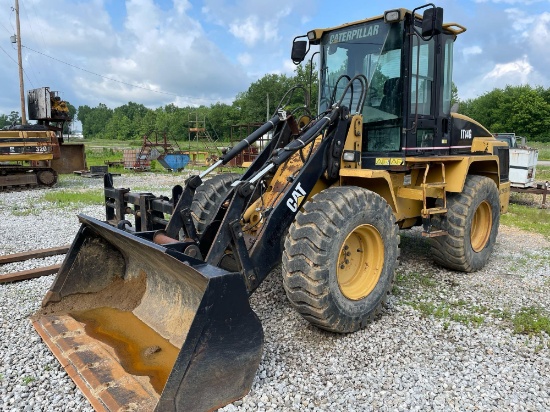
(142, 327)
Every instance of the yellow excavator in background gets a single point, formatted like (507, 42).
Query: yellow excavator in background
(33, 155)
(153, 314)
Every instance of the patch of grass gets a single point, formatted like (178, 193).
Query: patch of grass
(28, 379)
(24, 211)
(531, 320)
(66, 198)
(416, 278)
(47, 368)
(528, 218)
(501, 314)
(529, 260)
(411, 281)
(542, 173)
(467, 319)
(544, 149)
(447, 312)
(96, 156)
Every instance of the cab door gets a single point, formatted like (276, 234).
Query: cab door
(430, 83)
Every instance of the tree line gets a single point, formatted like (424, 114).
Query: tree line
(523, 110)
(133, 120)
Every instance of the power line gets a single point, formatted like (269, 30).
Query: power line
(12, 11)
(10, 32)
(1, 48)
(33, 8)
(33, 36)
(120, 81)
(12, 59)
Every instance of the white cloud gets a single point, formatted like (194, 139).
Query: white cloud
(472, 51)
(540, 34)
(155, 48)
(245, 59)
(247, 30)
(520, 20)
(519, 69)
(252, 29)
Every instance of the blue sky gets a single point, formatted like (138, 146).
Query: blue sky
(200, 52)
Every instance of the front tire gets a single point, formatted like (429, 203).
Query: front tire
(339, 258)
(471, 222)
(208, 199)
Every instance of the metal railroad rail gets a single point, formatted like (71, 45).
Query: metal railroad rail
(32, 254)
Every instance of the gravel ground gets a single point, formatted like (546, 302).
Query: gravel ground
(445, 342)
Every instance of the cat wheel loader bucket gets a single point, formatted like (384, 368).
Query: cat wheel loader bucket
(141, 326)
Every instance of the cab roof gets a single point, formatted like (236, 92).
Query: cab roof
(451, 28)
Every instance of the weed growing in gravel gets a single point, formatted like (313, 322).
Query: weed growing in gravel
(448, 312)
(531, 320)
(503, 314)
(529, 260)
(67, 198)
(414, 279)
(24, 211)
(28, 379)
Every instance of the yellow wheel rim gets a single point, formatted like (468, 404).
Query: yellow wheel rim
(482, 223)
(360, 262)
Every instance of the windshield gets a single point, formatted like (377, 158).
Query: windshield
(374, 50)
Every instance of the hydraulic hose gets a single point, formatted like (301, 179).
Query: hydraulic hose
(306, 138)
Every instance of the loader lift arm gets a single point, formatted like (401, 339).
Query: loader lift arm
(226, 232)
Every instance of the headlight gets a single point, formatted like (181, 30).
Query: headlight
(351, 156)
(311, 35)
(392, 16)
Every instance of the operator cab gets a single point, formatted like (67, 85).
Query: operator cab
(407, 61)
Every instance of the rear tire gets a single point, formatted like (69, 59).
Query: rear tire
(471, 222)
(339, 258)
(208, 199)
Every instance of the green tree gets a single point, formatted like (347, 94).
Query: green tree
(72, 116)
(4, 120)
(14, 117)
(94, 120)
(220, 118)
(454, 94)
(119, 127)
(133, 111)
(520, 109)
(253, 103)
(307, 76)
(147, 123)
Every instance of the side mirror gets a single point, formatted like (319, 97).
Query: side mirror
(432, 22)
(299, 51)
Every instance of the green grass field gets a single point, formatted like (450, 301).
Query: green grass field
(524, 212)
(544, 149)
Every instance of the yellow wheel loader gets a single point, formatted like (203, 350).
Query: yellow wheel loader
(152, 313)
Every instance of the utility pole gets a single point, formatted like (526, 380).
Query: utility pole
(21, 86)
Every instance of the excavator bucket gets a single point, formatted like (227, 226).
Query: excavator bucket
(140, 326)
